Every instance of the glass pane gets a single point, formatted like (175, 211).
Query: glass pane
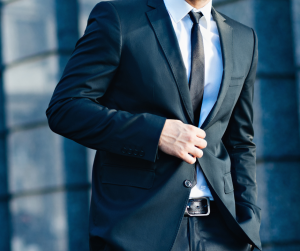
(35, 159)
(29, 88)
(85, 8)
(28, 28)
(39, 223)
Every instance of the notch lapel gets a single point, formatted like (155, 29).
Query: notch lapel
(163, 28)
(225, 33)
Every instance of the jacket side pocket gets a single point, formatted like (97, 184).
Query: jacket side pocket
(127, 176)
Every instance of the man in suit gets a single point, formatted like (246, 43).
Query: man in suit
(163, 90)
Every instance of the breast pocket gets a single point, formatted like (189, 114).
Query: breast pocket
(127, 176)
(236, 81)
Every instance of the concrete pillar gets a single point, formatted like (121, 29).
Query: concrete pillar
(5, 230)
(295, 10)
(5, 219)
(75, 156)
(277, 127)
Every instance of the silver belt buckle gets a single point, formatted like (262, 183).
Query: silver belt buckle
(198, 200)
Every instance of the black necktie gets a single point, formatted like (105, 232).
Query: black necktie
(196, 83)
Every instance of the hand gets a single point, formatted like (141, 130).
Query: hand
(182, 140)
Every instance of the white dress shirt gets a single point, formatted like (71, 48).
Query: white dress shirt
(178, 11)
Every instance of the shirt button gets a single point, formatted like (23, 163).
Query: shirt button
(124, 150)
(188, 183)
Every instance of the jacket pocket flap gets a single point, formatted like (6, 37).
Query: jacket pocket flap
(127, 176)
(228, 186)
(236, 81)
(112, 159)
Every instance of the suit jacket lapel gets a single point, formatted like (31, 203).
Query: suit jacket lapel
(225, 33)
(162, 26)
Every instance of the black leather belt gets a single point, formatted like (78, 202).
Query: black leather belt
(198, 207)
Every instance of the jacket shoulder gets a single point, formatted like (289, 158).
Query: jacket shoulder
(243, 35)
(128, 6)
(237, 26)
(127, 11)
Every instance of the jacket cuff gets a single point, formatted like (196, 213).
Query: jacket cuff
(153, 133)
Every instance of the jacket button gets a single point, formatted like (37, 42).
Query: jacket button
(124, 150)
(135, 152)
(142, 153)
(129, 151)
(188, 183)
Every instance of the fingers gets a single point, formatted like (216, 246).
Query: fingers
(182, 140)
(200, 143)
(193, 154)
(191, 157)
(199, 132)
(196, 152)
(194, 140)
(188, 158)
(196, 143)
(189, 154)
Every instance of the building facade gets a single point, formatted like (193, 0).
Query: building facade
(45, 178)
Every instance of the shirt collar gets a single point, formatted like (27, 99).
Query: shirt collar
(178, 9)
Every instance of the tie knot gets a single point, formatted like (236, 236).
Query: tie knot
(195, 16)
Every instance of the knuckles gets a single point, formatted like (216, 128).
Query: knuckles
(190, 138)
(190, 127)
(181, 153)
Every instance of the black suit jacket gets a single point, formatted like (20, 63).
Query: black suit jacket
(125, 78)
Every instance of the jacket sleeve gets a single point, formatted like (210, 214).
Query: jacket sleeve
(75, 110)
(238, 141)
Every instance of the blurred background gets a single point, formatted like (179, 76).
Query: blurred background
(45, 179)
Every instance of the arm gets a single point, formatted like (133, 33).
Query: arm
(238, 141)
(75, 110)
